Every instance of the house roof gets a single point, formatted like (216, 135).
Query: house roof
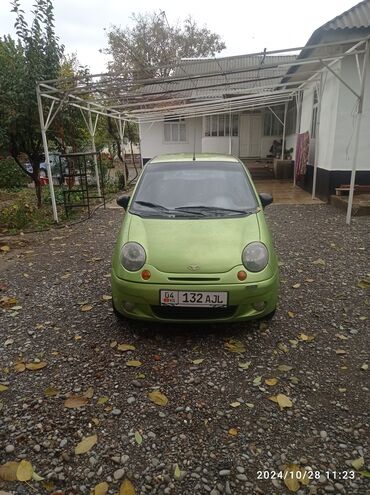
(355, 17)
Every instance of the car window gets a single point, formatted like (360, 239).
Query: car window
(217, 188)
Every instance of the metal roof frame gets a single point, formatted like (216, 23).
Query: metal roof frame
(262, 85)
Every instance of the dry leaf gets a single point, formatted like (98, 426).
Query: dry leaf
(89, 393)
(291, 314)
(158, 398)
(282, 347)
(364, 284)
(296, 286)
(127, 488)
(235, 346)
(365, 367)
(233, 432)
(8, 471)
(75, 401)
(101, 489)
(51, 392)
(177, 472)
(134, 363)
(20, 367)
(103, 399)
(36, 366)
(358, 463)
(106, 298)
(86, 444)
(340, 352)
(257, 380)
(125, 347)
(197, 361)
(282, 400)
(24, 471)
(341, 336)
(3, 388)
(244, 366)
(319, 261)
(306, 338)
(250, 405)
(5, 249)
(235, 404)
(284, 367)
(290, 477)
(37, 477)
(271, 381)
(138, 438)
(86, 307)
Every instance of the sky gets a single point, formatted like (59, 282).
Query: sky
(246, 26)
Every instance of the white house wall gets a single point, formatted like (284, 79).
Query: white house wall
(344, 138)
(220, 145)
(153, 143)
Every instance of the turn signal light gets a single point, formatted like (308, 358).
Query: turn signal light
(145, 274)
(242, 275)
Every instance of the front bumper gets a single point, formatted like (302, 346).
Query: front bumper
(141, 300)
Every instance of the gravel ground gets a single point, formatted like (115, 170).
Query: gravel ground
(219, 428)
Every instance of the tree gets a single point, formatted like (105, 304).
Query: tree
(152, 47)
(34, 56)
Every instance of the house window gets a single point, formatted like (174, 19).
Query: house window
(271, 124)
(219, 125)
(314, 114)
(174, 130)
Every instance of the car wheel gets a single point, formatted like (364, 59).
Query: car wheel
(269, 316)
(118, 315)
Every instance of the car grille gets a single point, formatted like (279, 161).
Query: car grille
(173, 312)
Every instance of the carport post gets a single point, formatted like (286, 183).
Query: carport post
(230, 132)
(283, 140)
(358, 128)
(46, 151)
(298, 102)
(121, 132)
(317, 137)
(92, 135)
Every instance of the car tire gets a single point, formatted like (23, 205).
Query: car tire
(269, 316)
(118, 315)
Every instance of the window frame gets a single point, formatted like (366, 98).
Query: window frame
(212, 126)
(175, 125)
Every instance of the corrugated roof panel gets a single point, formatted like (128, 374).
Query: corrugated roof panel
(356, 17)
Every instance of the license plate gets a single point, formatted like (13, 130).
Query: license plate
(189, 298)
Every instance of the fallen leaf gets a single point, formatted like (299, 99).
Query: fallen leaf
(51, 392)
(319, 261)
(8, 471)
(125, 347)
(340, 352)
(342, 390)
(341, 336)
(364, 284)
(36, 366)
(309, 280)
(106, 297)
(282, 347)
(24, 471)
(3, 388)
(235, 404)
(86, 444)
(20, 367)
(250, 405)
(138, 438)
(291, 314)
(134, 363)
(233, 432)
(158, 398)
(282, 400)
(37, 477)
(296, 286)
(5, 249)
(244, 366)
(197, 361)
(293, 342)
(101, 488)
(9, 342)
(95, 421)
(177, 472)
(113, 344)
(75, 401)
(103, 399)
(257, 380)
(271, 381)
(127, 488)
(290, 477)
(294, 380)
(306, 338)
(86, 307)
(365, 367)
(49, 486)
(284, 367)
(89, 393)
(365, 474)
(235, 346)
(358, 463)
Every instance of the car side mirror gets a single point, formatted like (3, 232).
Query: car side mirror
(266, 199)
(123, 201)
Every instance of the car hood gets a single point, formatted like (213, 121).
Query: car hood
(213, 245)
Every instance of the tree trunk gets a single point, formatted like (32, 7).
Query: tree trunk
(38, 191)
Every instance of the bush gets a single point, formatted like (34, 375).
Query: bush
(11, 176)
(17, 215)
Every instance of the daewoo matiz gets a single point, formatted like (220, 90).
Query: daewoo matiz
(194, 244)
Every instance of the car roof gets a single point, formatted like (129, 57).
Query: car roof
(189, 157)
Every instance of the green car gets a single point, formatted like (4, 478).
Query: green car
(194, 244)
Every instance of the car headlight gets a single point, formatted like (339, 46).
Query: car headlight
(255, 257)
(133, 256)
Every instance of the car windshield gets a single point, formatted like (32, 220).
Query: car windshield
(194, 189)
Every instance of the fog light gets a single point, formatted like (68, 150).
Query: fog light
(241, 275)
(129, 306)
(145, 274)
(259, 305)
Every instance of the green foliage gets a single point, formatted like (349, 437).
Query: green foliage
(11, 176)
(151, 47)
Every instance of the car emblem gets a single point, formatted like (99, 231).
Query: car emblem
(193, 268)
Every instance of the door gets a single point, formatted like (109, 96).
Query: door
(250, 135)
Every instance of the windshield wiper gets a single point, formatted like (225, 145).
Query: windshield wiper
(151, 205)
(205, 208)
